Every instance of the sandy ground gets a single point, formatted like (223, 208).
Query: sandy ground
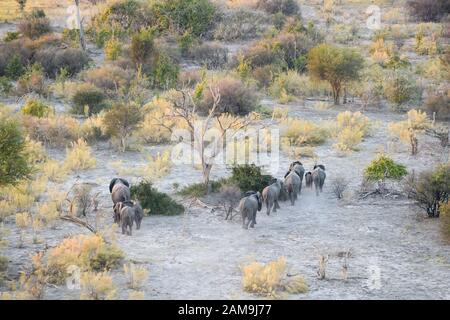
(396, 253)
(198, 254)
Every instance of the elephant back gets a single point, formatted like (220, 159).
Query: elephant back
(115, 181)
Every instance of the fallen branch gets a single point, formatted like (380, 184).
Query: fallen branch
(79, 222)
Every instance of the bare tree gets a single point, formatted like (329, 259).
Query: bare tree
(80, 25)
(339, 185)
(184, 108)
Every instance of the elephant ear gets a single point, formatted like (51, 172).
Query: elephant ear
(258, 197)
(111, 184)
(321, 166)
(125, 182)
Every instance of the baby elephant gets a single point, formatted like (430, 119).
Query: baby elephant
(126, 213)
(248, 207)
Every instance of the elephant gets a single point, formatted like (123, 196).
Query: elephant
(126, 216)
(297, 166)
(138, 214)
(291, 185)
(120, 191)
(308, 179)
(248, 207)
(318, 177)
(271, 194)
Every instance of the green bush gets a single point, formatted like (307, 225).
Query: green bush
(35, 24)
(11, 35)
(195, 16)
(88, 95)
(399, 89)
(36, 108)
(199, 189)
(157, 203)
(14, 164)
(249, 177)
(384, 168)
(15, 68)
(142, 46)
(5, 85)
(165, 73)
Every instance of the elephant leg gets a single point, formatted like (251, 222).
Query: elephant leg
(268, 206)
(291, 197)
(124, 228)
(243, 221)
(277, 205)
(252, 224)
(248, 222)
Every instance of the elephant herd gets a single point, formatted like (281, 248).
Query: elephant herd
(126, 212)
(252, 201)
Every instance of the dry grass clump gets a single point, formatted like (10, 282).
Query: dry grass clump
(136, 275)
(157, 166)
(79, 156)
(444, 219)
(54, 170)
(299, 132)
(88, 252)
(417, 120)
(97, 286)
(269, 279)
(350, 129)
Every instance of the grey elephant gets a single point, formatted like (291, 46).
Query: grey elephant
(271, 194)
(120, 191)
(298, 168)
(138, 214)
(318, 176)
(125, 213)
(291, 185)
(308, 179)
(248, 207)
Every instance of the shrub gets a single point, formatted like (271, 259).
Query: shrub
(428, 10)
(417, 120)
(157, 166)
(36, 108)
(135, 275)
(200, 189)
(14, 164)
(142, 46)
(287, 85)
(399, 89)
(88, 252)
(240, 24)
(54, 131)
(165, 72)
(110, 79)
(5, 86)
(35, 24)
(335, 65)
(97, 286)
(15, 67)
(249, 177)
(154, 201)
(113, 48)
(195, 16)
(157, 125)
(439, 105)
(121, 120)
(33, 81)
(287, 7)
(338, 186)
(54, 59)
(54, 171)
(351, 128)
(11, 35)
(299, 132)
(235, 97)
(269, 280)
(79, 157)
(430, 189)
(444, 221)
(88, 95)
(211, 55)
(383, 168)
